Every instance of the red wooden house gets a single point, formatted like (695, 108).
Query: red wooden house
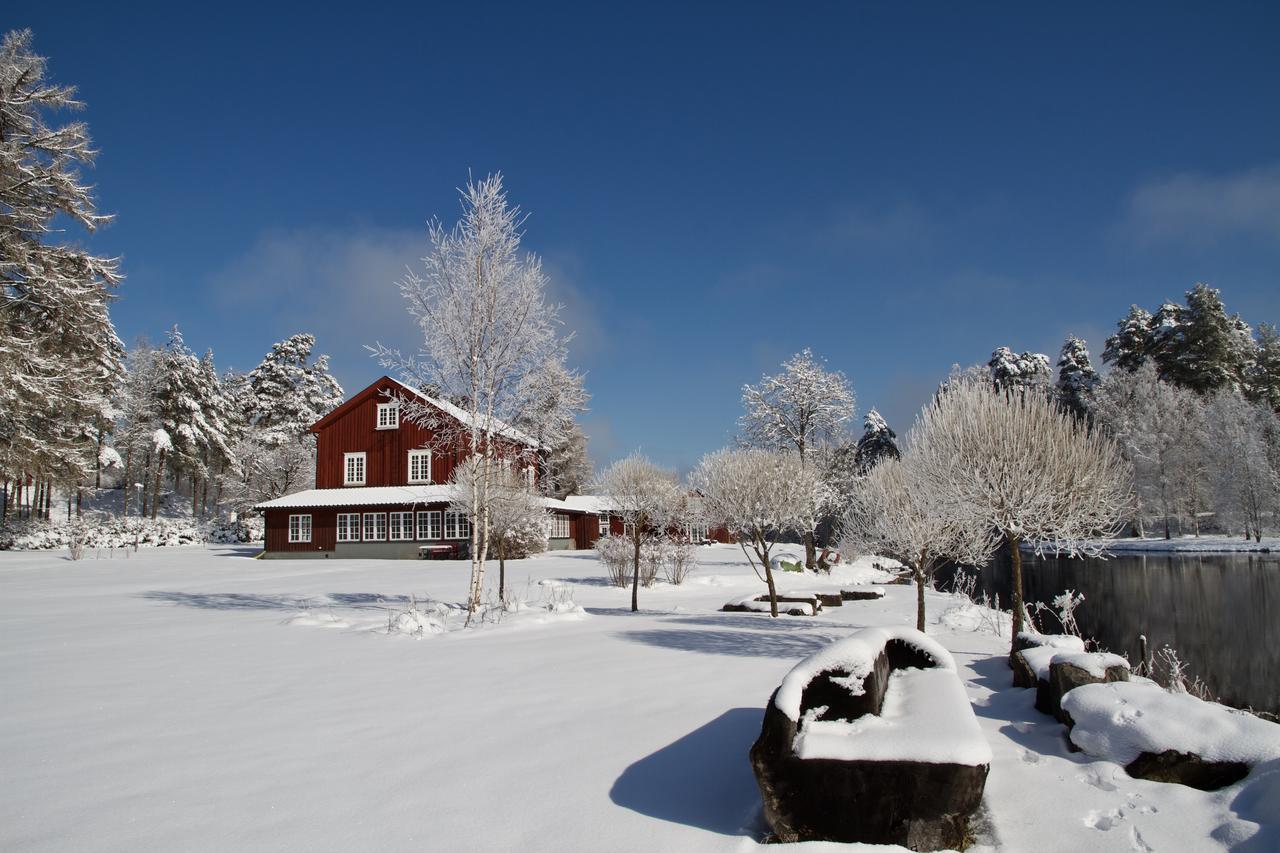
(381, 486)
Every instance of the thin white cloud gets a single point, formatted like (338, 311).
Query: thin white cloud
(1201, 209)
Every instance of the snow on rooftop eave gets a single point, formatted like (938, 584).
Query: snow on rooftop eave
(464, 417)
(358, 496)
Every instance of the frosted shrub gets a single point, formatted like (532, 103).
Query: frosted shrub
(75, 543)
(653, 556)
(682, 559)
(1064, 610)
(615, 553)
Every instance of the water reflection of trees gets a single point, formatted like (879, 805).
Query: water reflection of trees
(1216, 610)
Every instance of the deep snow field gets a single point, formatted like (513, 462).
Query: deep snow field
(196, 699)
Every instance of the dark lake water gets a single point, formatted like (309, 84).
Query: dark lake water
(1220, 611)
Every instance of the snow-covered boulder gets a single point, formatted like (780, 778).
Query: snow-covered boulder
(1032, 653)
(862, 594)
(1169, 737)
(1069, 670)
(872, 740)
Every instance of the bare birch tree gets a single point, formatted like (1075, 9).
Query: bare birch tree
(487, 327)
(1015, 463)
(798, 409)
(517, 515)
(759, 495)
(895, 514)
(644, 496)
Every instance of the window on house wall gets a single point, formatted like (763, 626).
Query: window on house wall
(628, 529)
(530, 478)
(299, 528)
(375, 526)
(401, 526)
(456, 526)
(604, 524)
(696, 532)
(389, 415)
(353, 469)
(348, 527)
(559, 526)
(429, 525)
(419, 466)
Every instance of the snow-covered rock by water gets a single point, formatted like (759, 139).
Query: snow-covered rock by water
(1121, 720)
(1094, 663)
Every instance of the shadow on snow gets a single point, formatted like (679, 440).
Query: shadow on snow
(702, 780)
(243, 601)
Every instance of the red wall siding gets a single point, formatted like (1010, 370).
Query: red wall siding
(324, 530)
(386, 450)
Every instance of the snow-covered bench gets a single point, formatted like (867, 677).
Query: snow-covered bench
(1169, 737)
(872, 739)
(791, 604)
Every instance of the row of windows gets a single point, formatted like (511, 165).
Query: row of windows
(401, 526)
(354, 470)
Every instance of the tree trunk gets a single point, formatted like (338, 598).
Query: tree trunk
(195, 496)
(762, 548)
(79, 502)
(155, 491)
(920, 601)
(4, 502)
(635, 574)
(810, 552)
(1015, 559)
(97, 461)
(502, 572)
(128, 486)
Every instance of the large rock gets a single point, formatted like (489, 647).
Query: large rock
(1069, 670)
(1186, 768)
(914, 781)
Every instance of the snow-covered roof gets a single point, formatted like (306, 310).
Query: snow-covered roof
(463, 417)
(359, 496)
(588, 503)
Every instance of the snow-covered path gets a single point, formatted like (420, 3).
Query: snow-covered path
(177, 700)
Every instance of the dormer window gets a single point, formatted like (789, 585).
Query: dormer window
(389, 415)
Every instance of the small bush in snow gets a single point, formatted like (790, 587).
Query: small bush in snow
(682, 559)
(615, 553)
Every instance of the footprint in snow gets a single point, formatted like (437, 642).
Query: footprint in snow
(1098, 780)
(1031, 757)
(1103, 821)
(1137, 843)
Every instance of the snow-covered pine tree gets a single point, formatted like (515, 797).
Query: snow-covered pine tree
(1076, 377)
(58, 349)
(1207, 352)
(878, 443)
(1131, 345)
(1166, 343)
(180, 412)
(1263, 381)
(1012, 371)
(136, 419)
(802, 408)
(554, 397)
(290, 392)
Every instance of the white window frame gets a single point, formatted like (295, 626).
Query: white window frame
(604, 523)
(423, 476)
(400, 526)
(375, 527)
(703, 532)
(530, 477)
(348, 527)
(388, 415)
(300, 527)
(429, 525)
(456, 525)
(347, 460)
(560, 526)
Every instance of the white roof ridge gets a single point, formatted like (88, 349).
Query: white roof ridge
(463, 417)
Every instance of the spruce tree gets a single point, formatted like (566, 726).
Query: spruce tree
(1076, 377)
(1131, 345)
(1205, 354)
(878, 443)
(1263, 382)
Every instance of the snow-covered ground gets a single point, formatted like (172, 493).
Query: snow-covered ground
(196, 699)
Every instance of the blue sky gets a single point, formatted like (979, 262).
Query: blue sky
(900, 187)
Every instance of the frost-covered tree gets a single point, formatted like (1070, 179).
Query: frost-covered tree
(760, 495)
(555, 396)
(1245, 480)
(487, 328)
(799, 409)
(59, 352)
(566, 466)
(1026, 371)
(645, 497)
(894, 513)
(1130, 346)
(1210, 349)
(137, 418)
(1018, 465)
(1158, 427)
(877, 444)
(517, 517)
(1263, 382)
(278, 401)
(1165, 339)
(1076, 377)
